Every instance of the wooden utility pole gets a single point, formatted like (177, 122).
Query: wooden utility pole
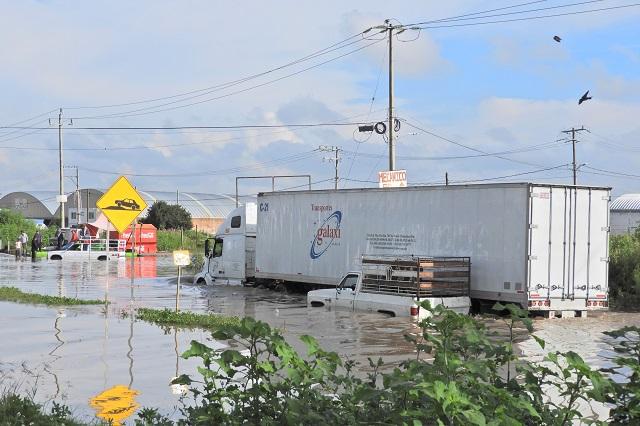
(573, 141)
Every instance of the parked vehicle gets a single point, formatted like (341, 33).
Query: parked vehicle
(395, 285)
(544, 247)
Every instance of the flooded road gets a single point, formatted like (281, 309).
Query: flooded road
(75, 354)
(92, 357)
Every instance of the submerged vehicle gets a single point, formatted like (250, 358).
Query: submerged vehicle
(90, 249)
(395, 285)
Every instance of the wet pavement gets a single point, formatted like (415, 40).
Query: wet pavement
(82, 356)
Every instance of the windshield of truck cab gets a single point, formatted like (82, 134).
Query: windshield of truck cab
(349, 281)
(217, 248)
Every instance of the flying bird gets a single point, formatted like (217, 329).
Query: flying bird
(558, 39)
(584, 97)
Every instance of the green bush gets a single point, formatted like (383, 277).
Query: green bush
(465, 380)
(170, 240)
(12, 223)
(168, 216)
(18, 410)
(624, 271)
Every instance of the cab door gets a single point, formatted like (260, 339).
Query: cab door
(346, 291)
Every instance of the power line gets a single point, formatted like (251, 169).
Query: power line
(537, 147)
(277, 161)
(476, 13)
(145, 111)
(530, 18)
(468, 147)
(469, 17)
(505, 176)
(328, 49)
(245, 126)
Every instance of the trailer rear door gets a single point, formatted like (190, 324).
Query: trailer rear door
(568, 238)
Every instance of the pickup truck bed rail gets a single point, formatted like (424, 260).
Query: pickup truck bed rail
(418, 276)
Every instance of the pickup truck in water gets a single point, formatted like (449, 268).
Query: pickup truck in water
(395, 285)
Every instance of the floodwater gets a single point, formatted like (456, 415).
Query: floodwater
(97, 360)
(90, 356)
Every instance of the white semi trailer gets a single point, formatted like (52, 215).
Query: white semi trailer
(542, 246)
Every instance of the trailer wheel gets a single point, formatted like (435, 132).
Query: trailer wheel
(102, 257)
(201, 281)
(389, 313)
(317, 304)
(56, 257)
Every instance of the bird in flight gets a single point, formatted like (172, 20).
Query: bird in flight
(558, 39)
(584, 97)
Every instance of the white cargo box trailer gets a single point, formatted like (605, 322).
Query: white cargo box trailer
(542, 246)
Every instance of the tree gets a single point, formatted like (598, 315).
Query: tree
(168, 216)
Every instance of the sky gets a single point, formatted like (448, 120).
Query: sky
(482, 103)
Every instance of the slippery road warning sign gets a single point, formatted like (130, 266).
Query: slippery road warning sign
(121, 204)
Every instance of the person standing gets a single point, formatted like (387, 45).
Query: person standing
(36, 244)
(18, 248)
(59, 239)
(24, 239)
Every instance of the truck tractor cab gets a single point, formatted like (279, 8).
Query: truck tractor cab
(230, 255)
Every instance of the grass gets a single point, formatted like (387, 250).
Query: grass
(18, 410)
(167, 317)
(13, 294)
(169, 240)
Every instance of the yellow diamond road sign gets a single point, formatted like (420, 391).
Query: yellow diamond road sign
(121, 204)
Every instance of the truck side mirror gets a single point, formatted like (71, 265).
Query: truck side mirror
(207, 247)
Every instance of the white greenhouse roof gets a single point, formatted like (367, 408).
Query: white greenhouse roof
(626, 202)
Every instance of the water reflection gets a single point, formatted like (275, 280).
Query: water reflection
(115, 404)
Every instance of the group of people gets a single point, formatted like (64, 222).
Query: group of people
(36, 242)
(23, 239)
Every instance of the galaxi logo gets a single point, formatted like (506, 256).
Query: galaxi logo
(326, 234)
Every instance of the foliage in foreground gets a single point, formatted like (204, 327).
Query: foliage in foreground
(18, 410)
(459, 376)
(13, 294)
(167, 317)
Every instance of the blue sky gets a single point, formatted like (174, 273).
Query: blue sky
(493, 88)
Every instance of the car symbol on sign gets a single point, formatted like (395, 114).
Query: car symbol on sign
(128, 202)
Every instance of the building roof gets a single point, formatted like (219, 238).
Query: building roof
(626, 202)
(199, 205)
(43, 205)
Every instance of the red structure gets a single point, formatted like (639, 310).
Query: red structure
(146, 238)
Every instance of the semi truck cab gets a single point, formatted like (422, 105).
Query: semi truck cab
(230, 255)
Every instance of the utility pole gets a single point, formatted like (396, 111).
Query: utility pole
(335, 159)
(61, 169)
(61, 197)
(392, 148)
(573, 143)
(78, 203)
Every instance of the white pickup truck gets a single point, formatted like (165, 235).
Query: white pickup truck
(396, 285)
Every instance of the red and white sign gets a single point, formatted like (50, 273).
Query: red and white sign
(392, 179)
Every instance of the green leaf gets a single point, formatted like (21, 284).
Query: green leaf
(540, 341)
(197, 349)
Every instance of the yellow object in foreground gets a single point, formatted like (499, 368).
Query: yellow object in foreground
(115, 404)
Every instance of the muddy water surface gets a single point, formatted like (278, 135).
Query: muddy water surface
(82, 356)
(94, 359)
